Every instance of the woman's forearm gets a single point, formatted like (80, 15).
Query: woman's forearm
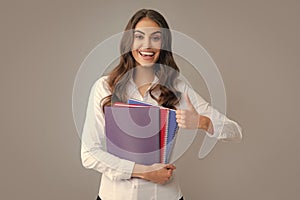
(139, 171)
(157, 173)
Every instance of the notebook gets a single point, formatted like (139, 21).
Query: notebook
(167, 141)
(132, 133)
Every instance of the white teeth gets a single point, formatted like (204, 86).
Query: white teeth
(145, 53)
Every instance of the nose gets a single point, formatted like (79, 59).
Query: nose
(146, 42)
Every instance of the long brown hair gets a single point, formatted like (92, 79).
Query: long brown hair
(165, 69)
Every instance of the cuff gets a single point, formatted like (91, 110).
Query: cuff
(126, 168)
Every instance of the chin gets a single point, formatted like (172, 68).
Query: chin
(146, 64)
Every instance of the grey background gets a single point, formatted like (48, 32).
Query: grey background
(254, 43)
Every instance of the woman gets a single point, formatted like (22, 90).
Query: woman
(147, 72)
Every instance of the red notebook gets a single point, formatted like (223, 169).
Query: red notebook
(164, 121)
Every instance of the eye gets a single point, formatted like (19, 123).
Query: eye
(156, 38)
(139, 37)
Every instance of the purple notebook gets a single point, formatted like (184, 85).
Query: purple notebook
(132, 133)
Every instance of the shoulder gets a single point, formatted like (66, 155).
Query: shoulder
(101, 83)
(186, 88)
(181, 85)
(101, 86)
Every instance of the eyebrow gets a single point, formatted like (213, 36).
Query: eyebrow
(144, 33)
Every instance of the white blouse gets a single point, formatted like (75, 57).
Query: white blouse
(116, 180)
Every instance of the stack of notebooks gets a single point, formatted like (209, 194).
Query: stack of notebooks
(140, 132)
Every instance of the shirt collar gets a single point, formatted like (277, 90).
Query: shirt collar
(132, 83)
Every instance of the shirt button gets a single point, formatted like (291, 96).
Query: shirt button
(134, 186)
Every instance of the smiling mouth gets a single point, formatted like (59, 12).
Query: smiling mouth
(147, 53)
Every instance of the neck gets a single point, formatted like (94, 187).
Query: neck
(143, 75)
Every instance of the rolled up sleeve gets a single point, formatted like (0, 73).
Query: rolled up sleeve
(224, 128)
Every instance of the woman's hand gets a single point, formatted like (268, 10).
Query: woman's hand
(190, 118)
(157, 173)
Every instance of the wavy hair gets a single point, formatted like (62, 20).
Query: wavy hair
(165, 69)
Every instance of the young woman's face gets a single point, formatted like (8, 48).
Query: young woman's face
(147, 42)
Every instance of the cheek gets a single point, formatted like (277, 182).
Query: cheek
(134, 50)
(135, 45)
(157, 55)
(134, 54)
(156, 45)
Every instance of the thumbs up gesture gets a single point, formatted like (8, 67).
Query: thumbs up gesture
(188, 118)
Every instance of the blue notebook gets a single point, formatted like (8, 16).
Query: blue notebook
(172, 127)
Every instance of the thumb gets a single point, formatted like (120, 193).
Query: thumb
(170, 166)
(188, 101)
